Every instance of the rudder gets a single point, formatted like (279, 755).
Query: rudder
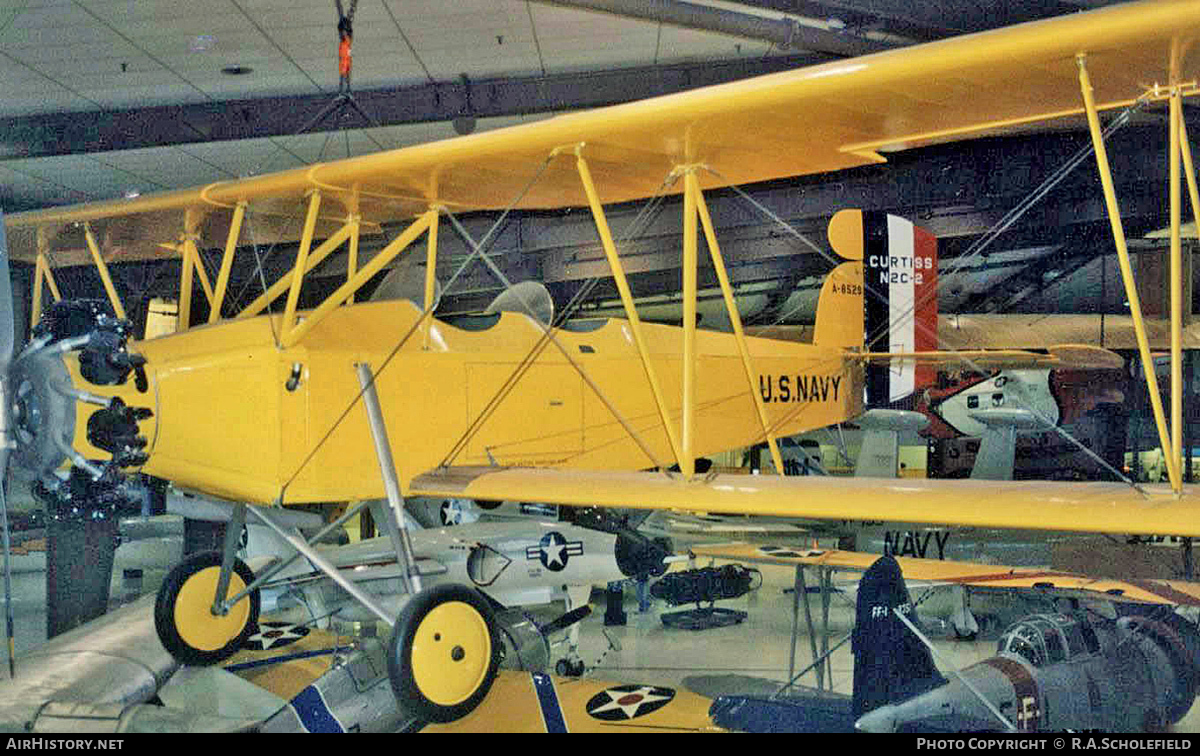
(891, 278)
(890, 662)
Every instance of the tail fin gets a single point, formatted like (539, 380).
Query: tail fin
(879, 456)
(890, 663)
(891, 278)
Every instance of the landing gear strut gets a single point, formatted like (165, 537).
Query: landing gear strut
(183, 614)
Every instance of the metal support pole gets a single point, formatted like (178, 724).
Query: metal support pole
(797, 586)
(235, 231)
(735, 319)
(262, 578)
(39, 275)
(183, 319)
(391, 483)
(1135, 306)
(310, 225)
(690, 256)
(102, 269)
(233, 534)
(826, 591)
(812, 640)
(430, 279)
(43, 273)
(1189, 172)
(325, 566)
(635, 322)
(355, 221)
(1176, 118)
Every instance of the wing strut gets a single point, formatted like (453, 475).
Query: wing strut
(42, 275)
(635, 322)
(735, 319)
(394, 525)
(1135, 307)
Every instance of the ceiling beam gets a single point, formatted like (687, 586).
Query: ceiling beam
(784, 33)
(105, 131)
(927, 20)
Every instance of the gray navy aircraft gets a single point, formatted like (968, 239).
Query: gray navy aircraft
(1052, 672)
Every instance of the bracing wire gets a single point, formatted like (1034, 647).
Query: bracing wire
(976, 249)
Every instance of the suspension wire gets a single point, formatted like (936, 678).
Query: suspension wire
(425, 314)
(976, 249)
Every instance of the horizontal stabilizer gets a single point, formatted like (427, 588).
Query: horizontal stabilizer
(879, 456)
(996, 457)
(1007, 417)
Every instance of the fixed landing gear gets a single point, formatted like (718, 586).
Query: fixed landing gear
(444, 653)
(568, 668)
(183, 611)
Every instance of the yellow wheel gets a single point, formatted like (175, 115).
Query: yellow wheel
(444, 653)
(183, 611)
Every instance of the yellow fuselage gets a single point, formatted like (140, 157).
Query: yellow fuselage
(226, 423)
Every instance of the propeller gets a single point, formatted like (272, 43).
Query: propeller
(37, 428)
(7, 338)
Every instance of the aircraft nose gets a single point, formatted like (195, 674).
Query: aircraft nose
(882, 719)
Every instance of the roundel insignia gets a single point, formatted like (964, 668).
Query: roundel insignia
(451, 513)
(777, 551)
(275, 634)
(554, 550)
(628, 702)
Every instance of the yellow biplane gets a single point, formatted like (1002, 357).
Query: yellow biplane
(262, 407)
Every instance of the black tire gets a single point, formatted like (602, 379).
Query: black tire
(437, 640)
(230, 638)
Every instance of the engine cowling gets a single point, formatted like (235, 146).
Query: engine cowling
(1171, 646)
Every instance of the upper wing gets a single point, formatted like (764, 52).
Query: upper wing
(1041, 505)
(824, 118)
(1175, 592)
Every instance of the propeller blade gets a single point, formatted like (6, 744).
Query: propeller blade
(566, 620)
(7, 337)
(7, 323)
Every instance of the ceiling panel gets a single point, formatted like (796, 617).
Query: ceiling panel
(118, 96)
(242, 158)
(684, 44)
(166, 167)
(76, 172)
(436, 16)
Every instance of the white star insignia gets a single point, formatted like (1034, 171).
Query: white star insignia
(553, 551)
(272, 634)
(451, 513)
(629, 701)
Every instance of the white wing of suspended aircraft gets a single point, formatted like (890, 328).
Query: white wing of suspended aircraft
(261, 406)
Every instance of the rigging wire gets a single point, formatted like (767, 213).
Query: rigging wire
(425, 314)
(547, 336)
(974, 252)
